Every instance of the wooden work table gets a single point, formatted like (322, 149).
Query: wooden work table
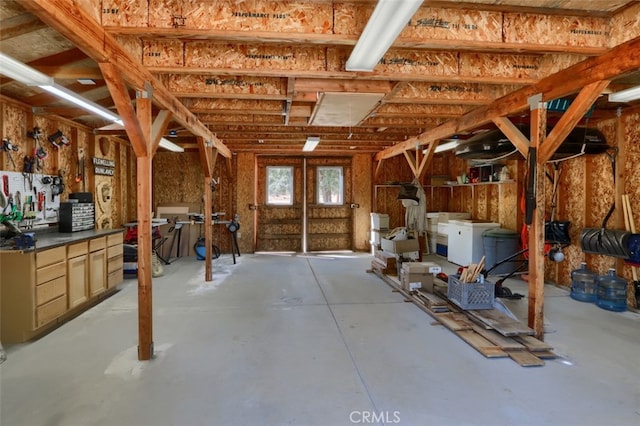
(63, 275)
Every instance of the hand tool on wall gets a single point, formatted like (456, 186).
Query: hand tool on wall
(40, 201)
(5, 184)
(58, 139)
(8, 147)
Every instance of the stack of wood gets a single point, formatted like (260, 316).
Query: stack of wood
(471, 273)
(384, 262)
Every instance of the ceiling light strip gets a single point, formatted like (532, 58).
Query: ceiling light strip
(386, 23)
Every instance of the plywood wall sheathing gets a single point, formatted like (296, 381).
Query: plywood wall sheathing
(201, 85)
(225, 105)
(124, 13)
(163, 53)
(556, 30)
(472, 93)
(524, 67)
(93, 8)
(625, 25)
(448, 111)
(132, 45)
(282, 16)
(206, 54)
(14, 120)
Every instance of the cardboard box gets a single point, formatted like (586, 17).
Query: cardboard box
(415, 275)
(421, 267)
(400, 246)
(414, 281)
(379, 221)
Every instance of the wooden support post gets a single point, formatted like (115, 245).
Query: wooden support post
(145, 237)
(207, 229)
(536, 231)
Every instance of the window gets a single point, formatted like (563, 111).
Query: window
(280, 185)
(330, 185)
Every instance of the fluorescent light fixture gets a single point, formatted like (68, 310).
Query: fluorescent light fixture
(625, 95)
(22, 73)
(168, 145)
(446, 146)
(72, 97)
(312, 142)
(32, 77)
(387, 21)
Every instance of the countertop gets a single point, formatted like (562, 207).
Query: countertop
(47, 240)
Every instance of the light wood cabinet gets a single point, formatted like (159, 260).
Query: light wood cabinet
(77, 277)
(97, 272)
(115, 257)
(38, 289)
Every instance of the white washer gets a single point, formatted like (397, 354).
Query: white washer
(465, 240)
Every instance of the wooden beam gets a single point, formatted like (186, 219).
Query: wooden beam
(378, 168)
(570, 118)
(120, 96)
(520, 141)
(208, 239)
(145, 237)
(412, 162)
(143, 217)
(536, 230)
(71, 20)
(622, 59)
(158, 127)
(426, 160)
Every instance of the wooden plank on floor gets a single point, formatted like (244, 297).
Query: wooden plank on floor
(545, 355)
(533, 344)
(500, 322)
(526, 359)
(452, 322)
(431, 298)
(505, 343)
(481, 344)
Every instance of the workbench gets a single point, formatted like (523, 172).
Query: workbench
(63, 275)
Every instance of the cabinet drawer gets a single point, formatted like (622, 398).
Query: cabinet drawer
(114, 278)
(50, 311)
(77, 249)
(114, 263)
(115, 239)
(97, 243)
(51, 290)
(47, 257)
(50, 272)
(114, 251)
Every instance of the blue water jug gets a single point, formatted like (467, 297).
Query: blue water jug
(612, 292)
(584, 283)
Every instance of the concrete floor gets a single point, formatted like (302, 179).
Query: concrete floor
(313, 340)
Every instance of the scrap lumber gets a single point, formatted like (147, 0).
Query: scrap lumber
(526, 359)
(454, 321)
(505, 343)
(481, 344)
(533, 344)
(500, 322)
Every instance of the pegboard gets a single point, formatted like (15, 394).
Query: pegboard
(24, 190)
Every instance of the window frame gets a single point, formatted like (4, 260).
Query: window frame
(341, 201)
(291, 186)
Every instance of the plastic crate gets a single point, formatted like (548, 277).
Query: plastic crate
(478, 295)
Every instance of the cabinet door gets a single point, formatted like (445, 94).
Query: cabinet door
(97, 272)
(77, 274)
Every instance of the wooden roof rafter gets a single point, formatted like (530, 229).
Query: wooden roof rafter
(72, 21)
(620, 60)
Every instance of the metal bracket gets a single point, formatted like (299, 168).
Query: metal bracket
(535, 102)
